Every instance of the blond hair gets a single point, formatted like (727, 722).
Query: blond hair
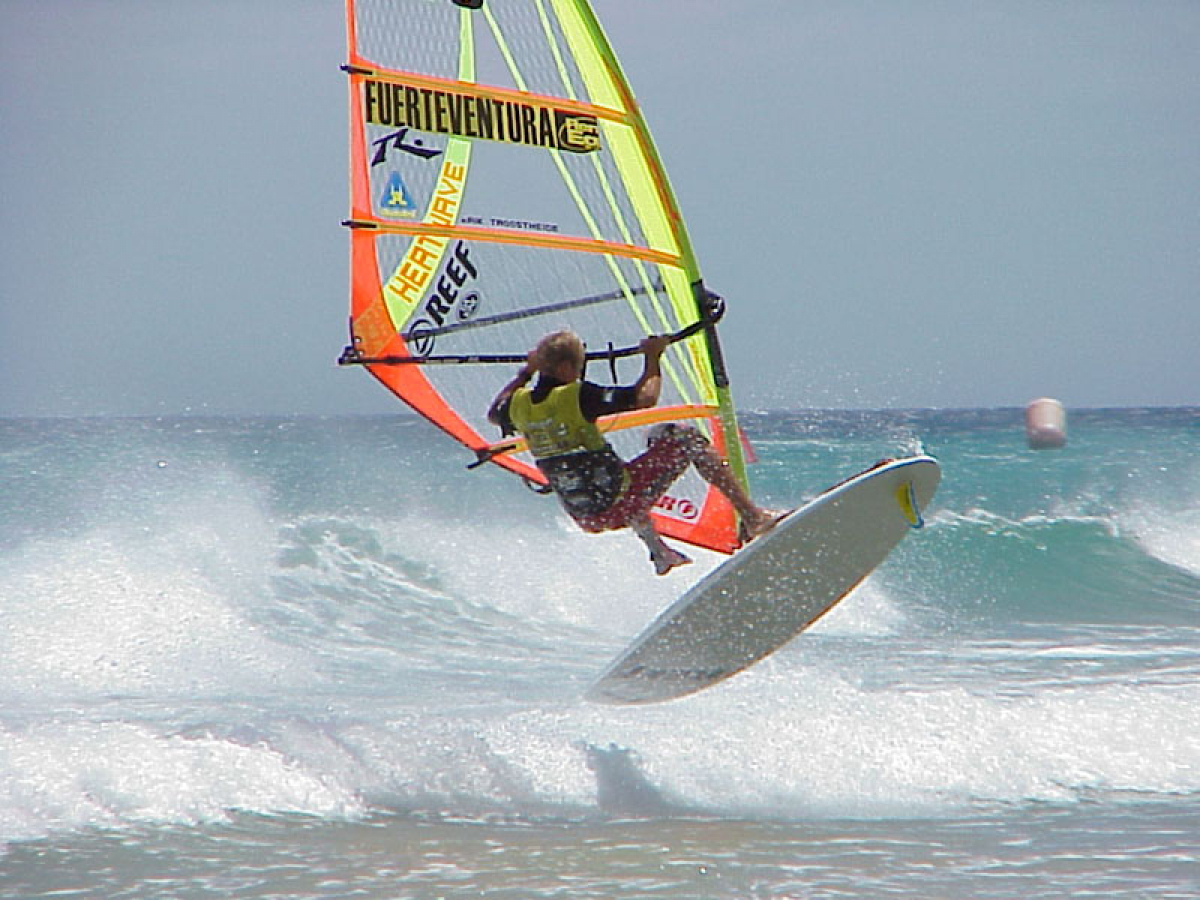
(560, 347)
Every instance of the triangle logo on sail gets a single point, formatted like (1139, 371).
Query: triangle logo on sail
(395, 200)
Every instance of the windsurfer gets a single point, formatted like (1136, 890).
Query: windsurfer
(597, 488)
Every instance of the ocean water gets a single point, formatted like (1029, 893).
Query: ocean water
(317, 657)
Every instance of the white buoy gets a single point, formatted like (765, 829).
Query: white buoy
(1045, 424)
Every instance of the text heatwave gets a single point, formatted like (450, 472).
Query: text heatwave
(415, 271)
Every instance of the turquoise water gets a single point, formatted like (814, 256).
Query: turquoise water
(317, 657)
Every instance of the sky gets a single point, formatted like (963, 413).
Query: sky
(906, 204)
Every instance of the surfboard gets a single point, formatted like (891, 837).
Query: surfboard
(775, 588)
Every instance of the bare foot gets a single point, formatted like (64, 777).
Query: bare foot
(764, 521)
(667, 559)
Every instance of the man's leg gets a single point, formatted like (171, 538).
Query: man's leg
(664, 558)
(717, 472)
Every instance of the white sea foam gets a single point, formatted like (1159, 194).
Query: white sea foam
(784, 740)
(540, 567)
(73, 775)
(1172, 536)
(790, 742)
(159, 603)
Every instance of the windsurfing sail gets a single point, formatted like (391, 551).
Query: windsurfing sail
(503, 185)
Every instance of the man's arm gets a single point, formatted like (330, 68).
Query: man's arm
(649, 386)
(521, 379)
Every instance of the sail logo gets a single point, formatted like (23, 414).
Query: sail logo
(680, 507)
(396, 202)
(407, 284)
(398, 140)
(653, 673)
(447, 296)
(527, 122)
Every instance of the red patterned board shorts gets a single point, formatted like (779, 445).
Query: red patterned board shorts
(666, 457)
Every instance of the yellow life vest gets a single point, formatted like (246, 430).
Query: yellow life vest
(581, 467)
(555, 425)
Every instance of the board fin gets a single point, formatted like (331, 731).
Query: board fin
(906, 496)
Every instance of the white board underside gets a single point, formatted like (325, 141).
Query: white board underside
(768, 593)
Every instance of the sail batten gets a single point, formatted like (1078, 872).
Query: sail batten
(504, 185)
